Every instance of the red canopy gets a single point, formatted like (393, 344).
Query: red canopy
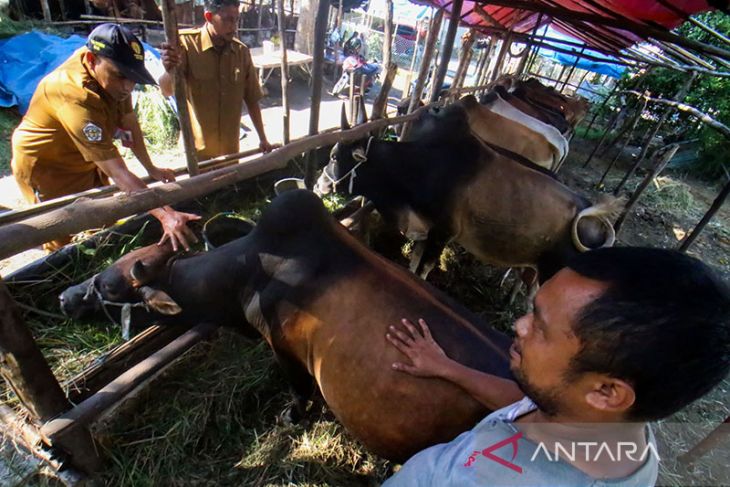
(606, 24)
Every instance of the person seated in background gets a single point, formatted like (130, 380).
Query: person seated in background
(64, 144)
(617, 339)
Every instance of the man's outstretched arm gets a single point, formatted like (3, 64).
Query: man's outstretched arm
(428, 359)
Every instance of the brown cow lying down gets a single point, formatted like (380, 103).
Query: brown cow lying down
(323, 301)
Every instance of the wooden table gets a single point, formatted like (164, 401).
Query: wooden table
(266, 63)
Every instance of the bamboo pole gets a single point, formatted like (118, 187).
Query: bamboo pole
(497, 70)
(431, 37)
(169, 18)
(630, 131)
(382, 99)
(388, 33)
(660, 160)
(46, 11)
(320, 31)
(83, 214)
(27, 373)
(90, 409)
(412, 66)
(440, 76)
(572, 68)
(680, 96)
(467, 41)
(44, 206)
(284, 70)
(716, 205)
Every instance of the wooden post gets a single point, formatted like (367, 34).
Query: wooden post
(27, 373)
(284, 69)
(169, 19)
(388, 31)
(431, 36)
(681, 94)
(320, 31)
(484, 70)
(382, 100)
(406, 89)
(506, 42)
(467, 41)
(609, 127)
(716, 205)
(440, 76)
(634, 122)
(46, 11)
(661, 159)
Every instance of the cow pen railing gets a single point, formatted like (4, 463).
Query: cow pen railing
(58, 429)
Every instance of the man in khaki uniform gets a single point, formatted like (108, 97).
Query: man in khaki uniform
(219, 76)
(64, 144)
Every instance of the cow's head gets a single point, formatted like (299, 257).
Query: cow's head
(345, 158)
(125, 284)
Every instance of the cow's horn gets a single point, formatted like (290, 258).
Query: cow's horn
(362, 114)
(344, 124)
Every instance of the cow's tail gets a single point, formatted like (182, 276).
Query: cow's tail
(607, 208)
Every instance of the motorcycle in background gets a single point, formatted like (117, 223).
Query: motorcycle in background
(356, 66)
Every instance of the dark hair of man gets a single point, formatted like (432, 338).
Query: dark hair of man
(663, 326)
(214, 6)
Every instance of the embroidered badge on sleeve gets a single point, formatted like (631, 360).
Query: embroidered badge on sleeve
(92, 132)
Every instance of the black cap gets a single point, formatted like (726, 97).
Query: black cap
(121, 47)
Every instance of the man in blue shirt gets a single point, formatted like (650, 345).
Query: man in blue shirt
(620, 337)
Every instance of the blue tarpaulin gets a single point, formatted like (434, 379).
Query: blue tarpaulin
(607, 67)
(26, 58)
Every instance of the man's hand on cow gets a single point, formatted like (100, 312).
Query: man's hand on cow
(170, 56)
(162, 174)
(427, 358)
(265, 146)
(175, 228)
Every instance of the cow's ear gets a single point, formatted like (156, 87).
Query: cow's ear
(139, 272)
(159, 301)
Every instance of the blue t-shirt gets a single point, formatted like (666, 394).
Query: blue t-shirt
(495, 453)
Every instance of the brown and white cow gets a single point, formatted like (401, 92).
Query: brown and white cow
(323, 301)
(499, 130)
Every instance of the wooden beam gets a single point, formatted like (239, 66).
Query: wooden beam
(84, 214)
(440, 76)
(84, 414)
(121, 358)
(169, 18)
(625, 24)
(44, 206)
(27, 373)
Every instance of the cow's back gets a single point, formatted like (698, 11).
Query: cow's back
(335, 325)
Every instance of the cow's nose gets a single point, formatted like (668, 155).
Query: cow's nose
(63, 303)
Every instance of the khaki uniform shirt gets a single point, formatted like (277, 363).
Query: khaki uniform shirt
(70, 123)
(218, 81)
